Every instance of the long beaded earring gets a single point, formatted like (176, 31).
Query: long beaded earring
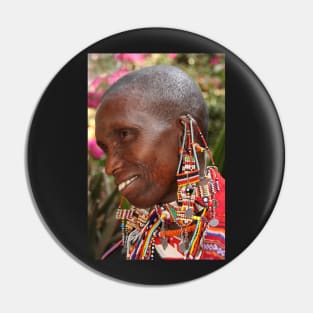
(187, 177)
(208, 192)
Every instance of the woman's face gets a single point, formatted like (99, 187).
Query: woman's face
(141, 150)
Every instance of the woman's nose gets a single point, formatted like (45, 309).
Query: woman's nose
(113, 163)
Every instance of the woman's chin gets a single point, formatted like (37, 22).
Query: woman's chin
(142, 202)
(139, 203)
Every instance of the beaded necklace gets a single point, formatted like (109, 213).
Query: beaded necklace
(141, 228)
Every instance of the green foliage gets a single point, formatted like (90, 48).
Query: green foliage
(219, 151)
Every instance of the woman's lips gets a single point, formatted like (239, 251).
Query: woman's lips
(126, 183)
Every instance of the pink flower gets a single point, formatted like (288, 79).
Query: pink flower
(131, 57)
(172, 55)
(94, 149)
(94, 98)
(214, 60)
(114, 77)
(96, 83)
(215, 82)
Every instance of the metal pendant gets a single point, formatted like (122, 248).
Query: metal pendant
(201, 242)
(189, 213)
(124, 249)
(164, 242)
(182, 247)
(213, 222)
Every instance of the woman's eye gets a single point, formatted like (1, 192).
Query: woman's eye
(104, 148)
(124, 133)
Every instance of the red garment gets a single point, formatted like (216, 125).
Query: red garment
(213, 238)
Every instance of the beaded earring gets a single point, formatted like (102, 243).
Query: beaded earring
(189, 191)
(208, 191)
(188, 175)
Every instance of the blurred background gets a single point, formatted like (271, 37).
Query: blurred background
(207, 70)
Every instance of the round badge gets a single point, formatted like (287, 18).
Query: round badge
(155, 156)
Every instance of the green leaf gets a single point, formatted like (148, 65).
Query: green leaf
(106, 207)
(219, 151)
(95, 186)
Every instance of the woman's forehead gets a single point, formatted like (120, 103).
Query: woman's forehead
(112, 118)
(123, 111)
(117, 115)
(122, 103)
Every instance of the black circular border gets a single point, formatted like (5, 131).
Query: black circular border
(57, 150)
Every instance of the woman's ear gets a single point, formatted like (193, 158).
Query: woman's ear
(178, 126)
(182, 123)
(184, 119)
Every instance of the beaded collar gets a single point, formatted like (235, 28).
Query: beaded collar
(185, 219)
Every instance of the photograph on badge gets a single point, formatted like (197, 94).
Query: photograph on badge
(156, 154)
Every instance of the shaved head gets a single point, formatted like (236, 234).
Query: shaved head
(165, 91)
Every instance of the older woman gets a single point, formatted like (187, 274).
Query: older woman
(152, 125)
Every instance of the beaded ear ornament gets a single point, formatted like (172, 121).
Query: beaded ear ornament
(192, 212)
(195, 202)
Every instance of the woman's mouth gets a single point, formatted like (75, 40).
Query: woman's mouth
(126, 183)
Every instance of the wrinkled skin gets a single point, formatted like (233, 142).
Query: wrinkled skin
(139, 144)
